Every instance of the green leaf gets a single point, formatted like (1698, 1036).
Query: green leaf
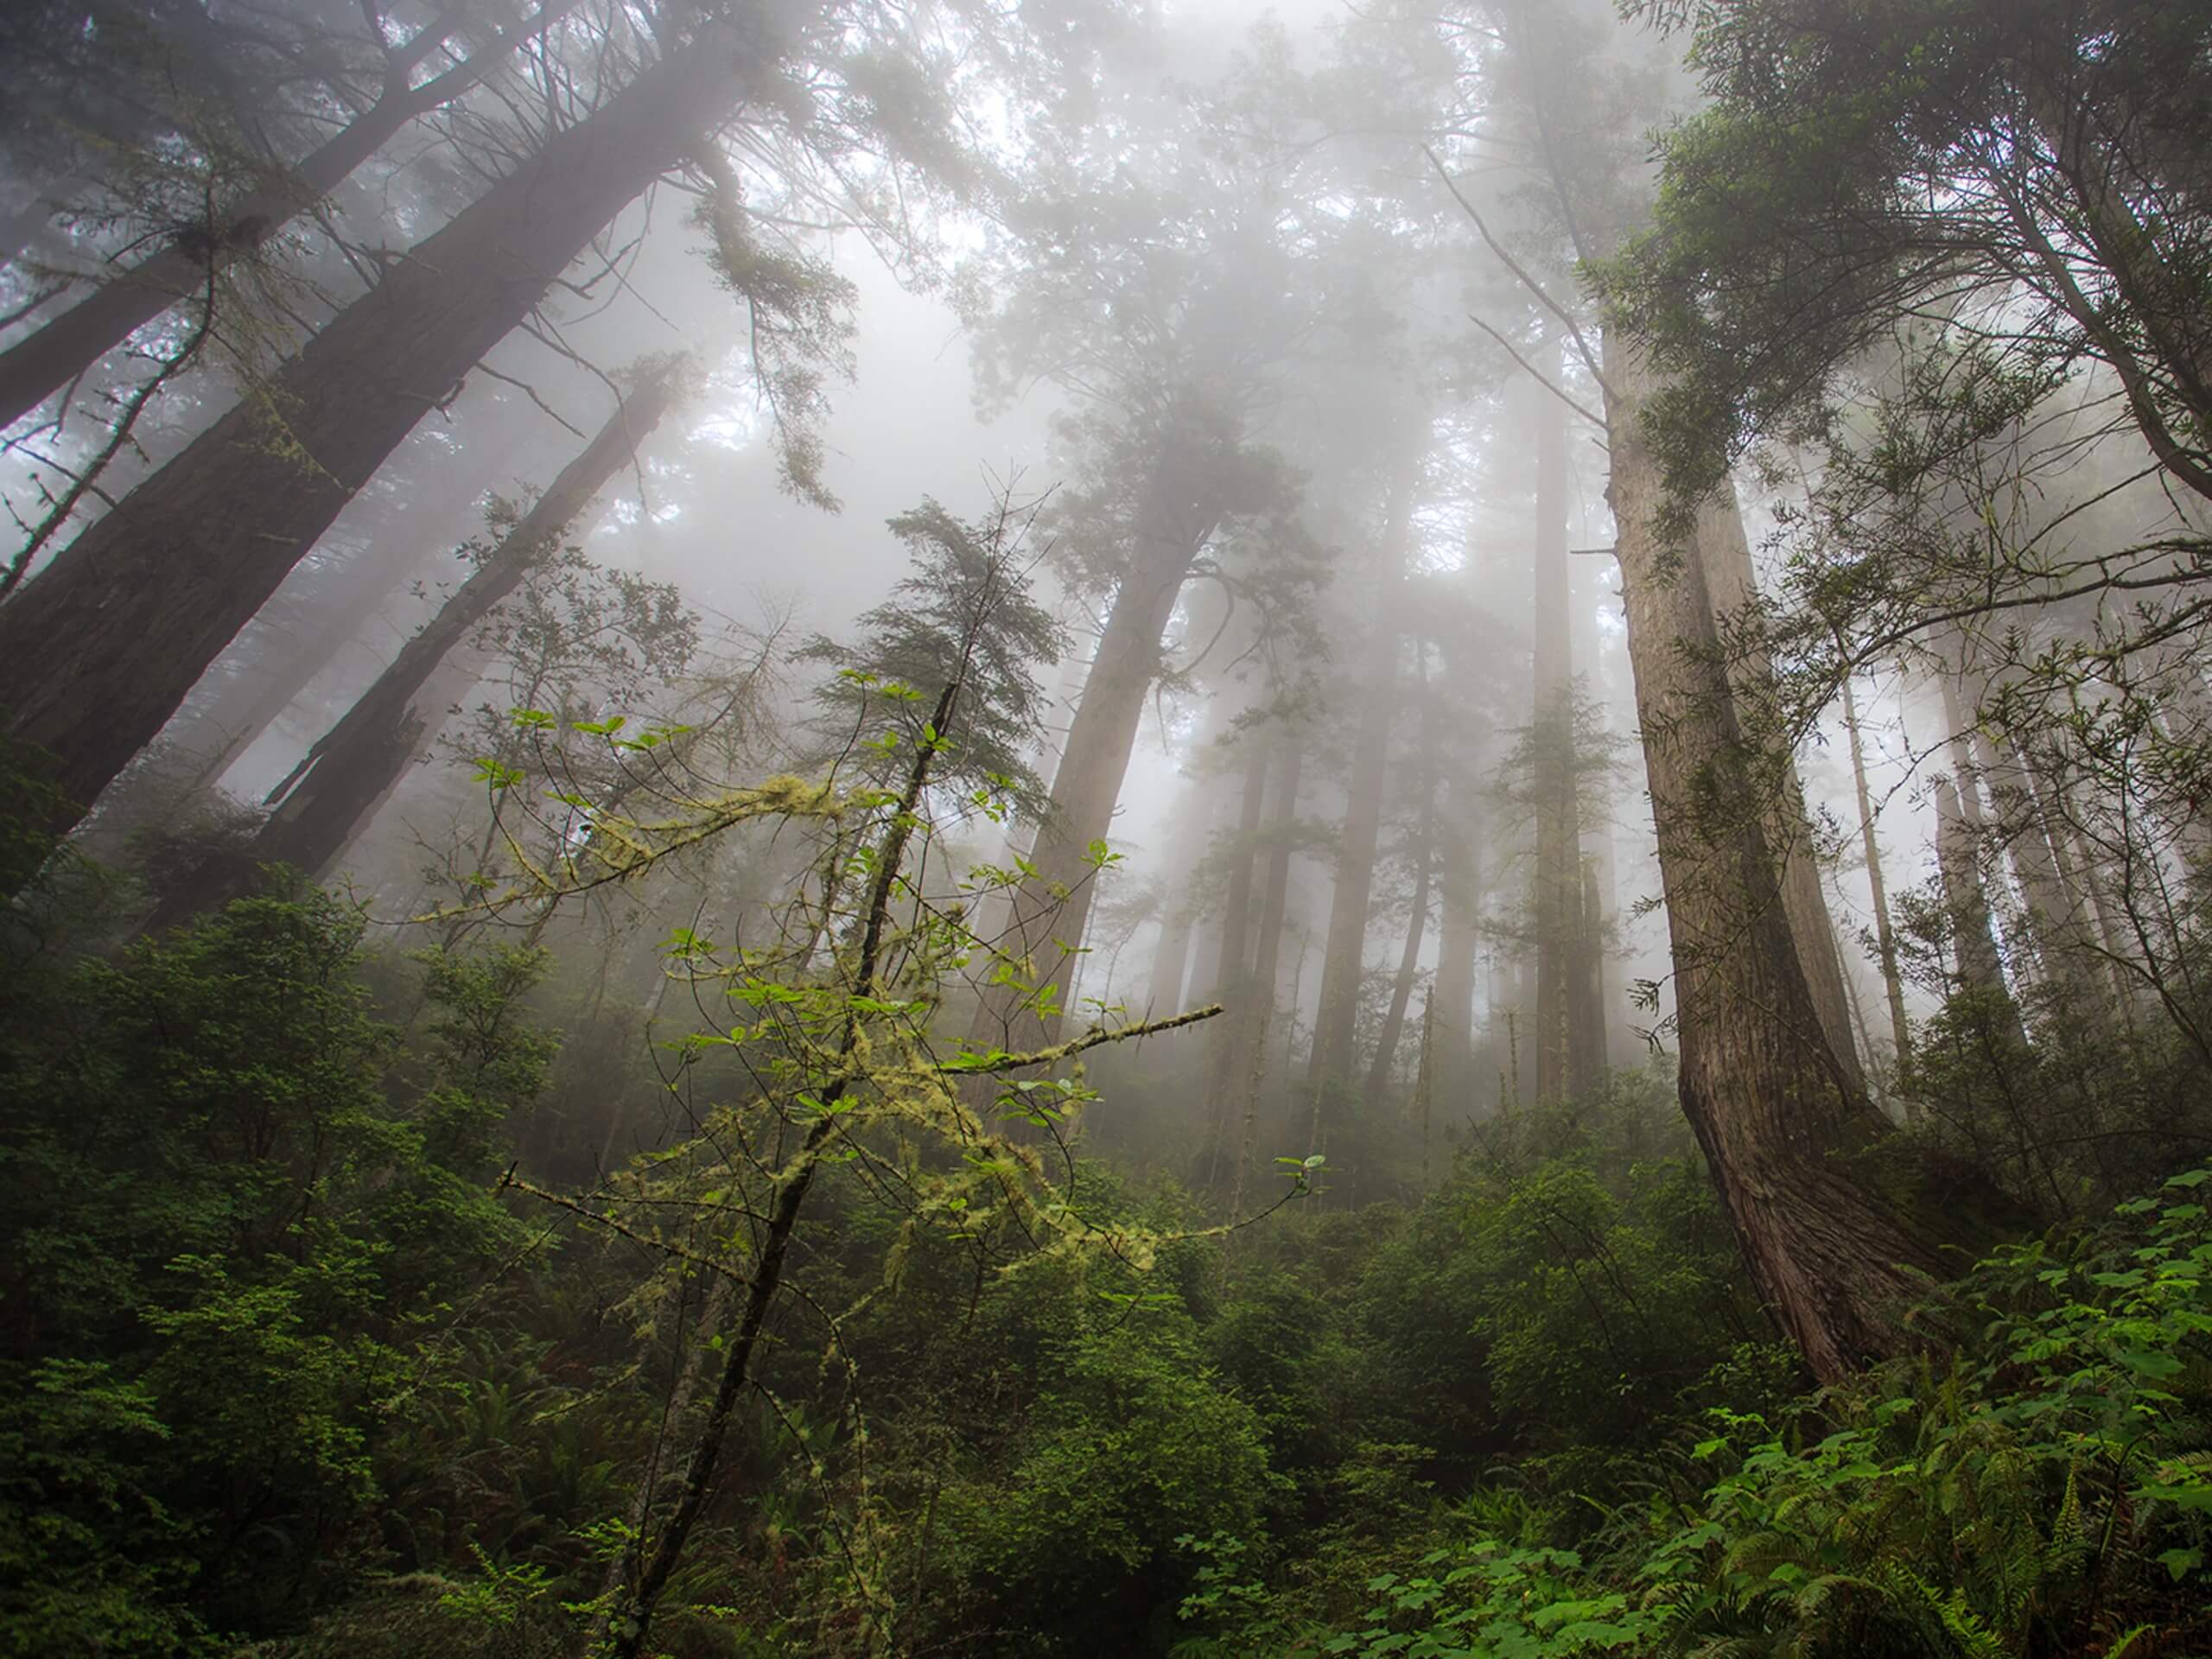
(2149, 1362)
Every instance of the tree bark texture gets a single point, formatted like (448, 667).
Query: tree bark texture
(1725, 553)
(1833, 1224)
(100, 648)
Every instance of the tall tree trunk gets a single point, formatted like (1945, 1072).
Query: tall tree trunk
(2097, 919)
(1052, 909)
(2074, 925)
(1234, 985)
(1566, 1062)
(1981, 964)
(1402, 987)
(1171, 956)
(1451, 999)
(323, 804)
(1343, 955)
(1831, 1230)
(100, 648)
(41, 364)
(1885, 940)
(301, 633)
(1725, 553)
(203, 742)
(1236, 903)
(1586, 984)
(1266, 969)
(2053, 906)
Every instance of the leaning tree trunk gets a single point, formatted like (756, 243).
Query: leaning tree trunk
(1724, 555)
(99, 650)
(1833, 1227)
(323, 802)
(41, 364)
(300, 633)
(1052, 907)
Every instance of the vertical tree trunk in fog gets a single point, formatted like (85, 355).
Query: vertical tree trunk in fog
(1568, 1053)
(1459, 940)
(1832, 1244)
(1052, 908)
(1402, 987)
(1234, 985)
(99, 650)
(37, 366)
(1237, 904)
(1198, 817)
(1343, 955)
(1266, 969)
(1886, 941)
(2049, 909)
(325, 801)
(1585, 981)
(1171, 956)
(1979, 963)
(1964, 767)
(2054, 910)
(2092, 917)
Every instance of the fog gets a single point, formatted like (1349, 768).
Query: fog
(1352, 236)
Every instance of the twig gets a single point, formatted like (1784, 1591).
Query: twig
(1542, 380)
(969, 1063)
(559, 1201)
(1581, 345)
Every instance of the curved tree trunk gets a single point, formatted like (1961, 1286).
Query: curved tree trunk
(1724, 555)
(1832, 1227)
(100, 648)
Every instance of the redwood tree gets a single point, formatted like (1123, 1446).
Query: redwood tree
(323, 804)
(1836, 1228)
(100, 648)
(59, 350)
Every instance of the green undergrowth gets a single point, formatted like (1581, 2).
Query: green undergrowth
(2045, 1488)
